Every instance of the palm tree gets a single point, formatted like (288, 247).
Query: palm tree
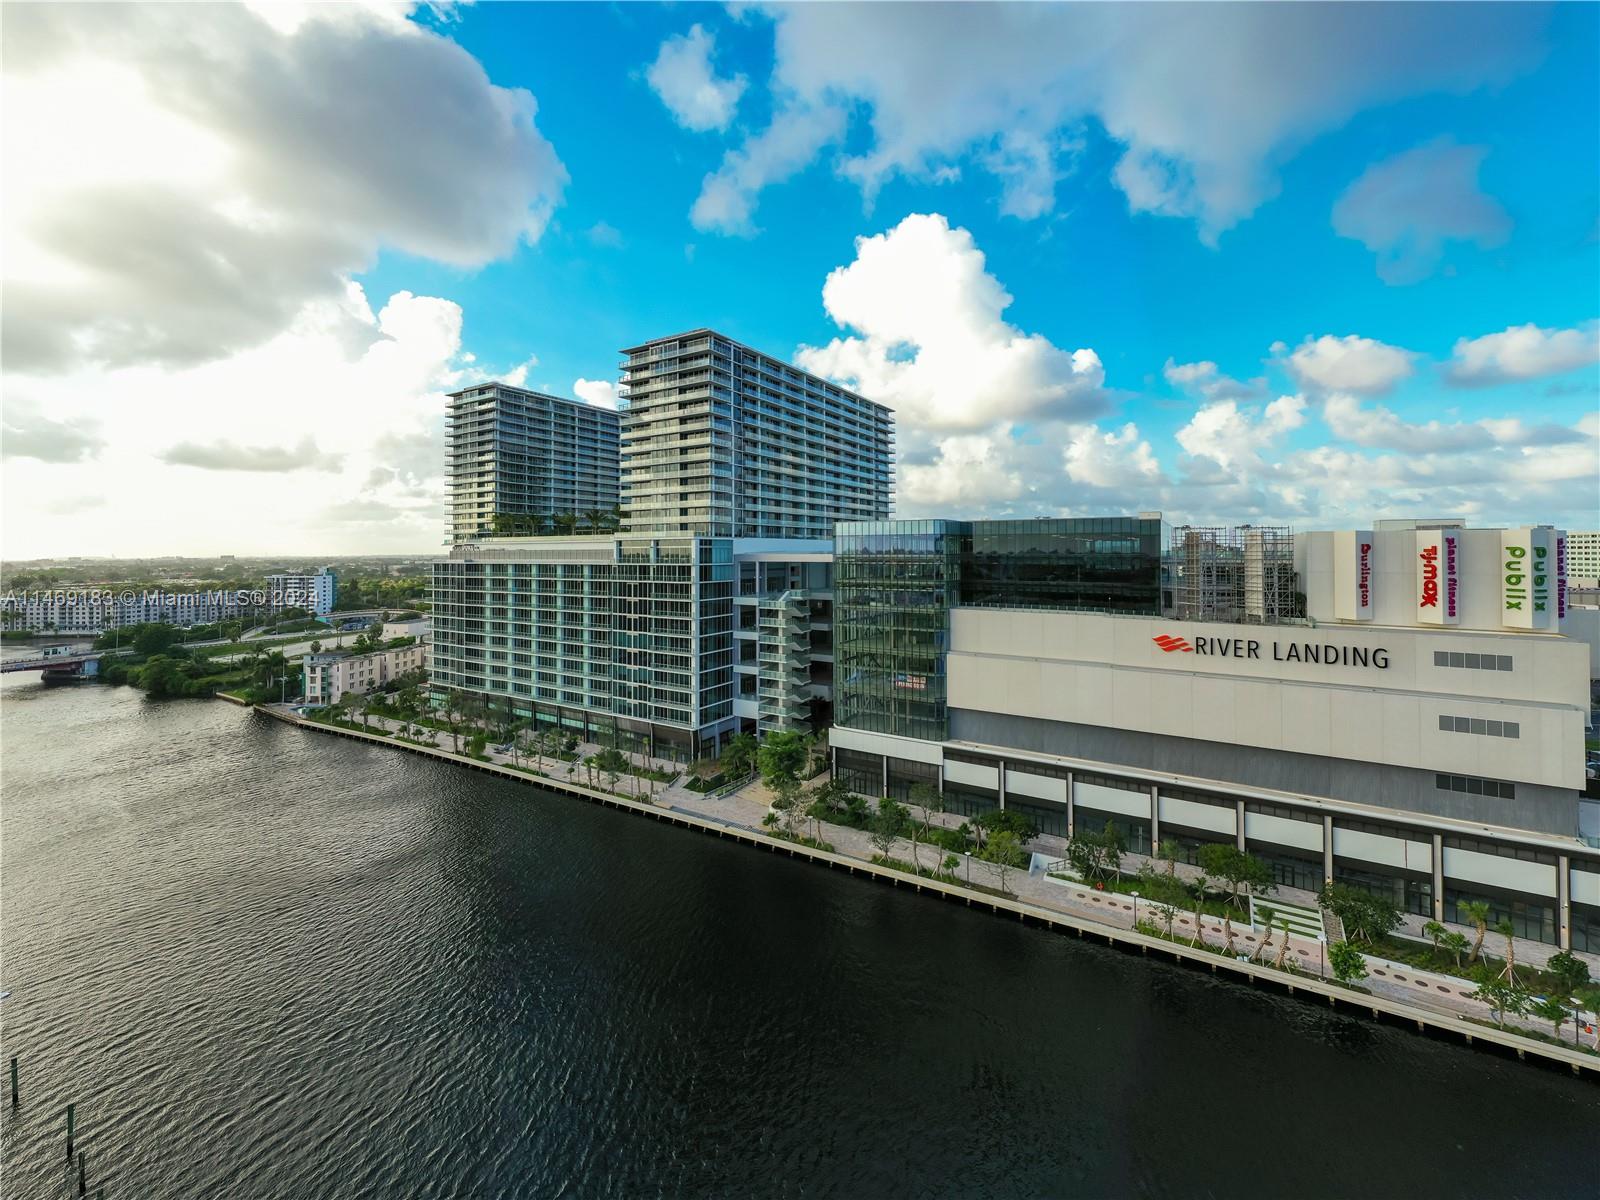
(1283, 946)
(1476, 913)
(1199, 904)
(566, 523)
(1508, 931)
(594, 518)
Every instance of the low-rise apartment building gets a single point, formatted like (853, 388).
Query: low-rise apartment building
(332, 674)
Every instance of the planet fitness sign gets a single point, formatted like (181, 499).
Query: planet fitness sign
(1438, 577)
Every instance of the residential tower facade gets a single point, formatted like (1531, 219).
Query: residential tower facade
(527, 457)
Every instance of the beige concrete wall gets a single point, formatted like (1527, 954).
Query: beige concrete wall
(1108, 671)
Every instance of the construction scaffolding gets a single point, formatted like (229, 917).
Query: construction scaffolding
(1238, 574)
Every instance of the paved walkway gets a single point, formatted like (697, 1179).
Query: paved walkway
(573, 772)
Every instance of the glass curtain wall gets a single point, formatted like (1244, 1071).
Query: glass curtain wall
(894, 584)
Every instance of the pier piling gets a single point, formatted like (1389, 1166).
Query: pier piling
(13, 1081)
(83, 1187)
(72, 1116)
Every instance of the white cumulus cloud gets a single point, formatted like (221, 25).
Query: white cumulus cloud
(1407, 207)
(682, 75)
(602, 393)
(932, 341)
(1206, 101)
(181, 180)
(1524, 352)
(1349, 364)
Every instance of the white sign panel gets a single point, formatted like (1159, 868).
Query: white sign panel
(1438, 577)
(1352, 575)
(1528, 578)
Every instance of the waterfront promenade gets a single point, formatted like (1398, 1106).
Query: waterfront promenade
(1432, 1001)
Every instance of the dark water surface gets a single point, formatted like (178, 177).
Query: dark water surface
(270, 963)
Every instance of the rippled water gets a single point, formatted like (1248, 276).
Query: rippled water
(270, 963)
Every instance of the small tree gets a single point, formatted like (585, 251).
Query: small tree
(783, 755)
(1502, 995)
(1199, 907)
(1507, 930)
(1553, 1009)
(1237, 868)
(1570, 971)
(926, 800)
(739, 756)
(1004, 853)
(1169, 852)
(1433, 931)
(949, 865)
(1476, 914)
(788, 802)
(884, 828)
(611, 764)
(1349, 964)
(1365, 916)
(1455, 943)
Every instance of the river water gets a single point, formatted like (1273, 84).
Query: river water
(265, 962)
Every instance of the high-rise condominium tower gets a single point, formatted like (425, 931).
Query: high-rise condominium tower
(528, 456)
(723, 440)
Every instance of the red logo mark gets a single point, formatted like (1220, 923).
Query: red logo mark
(1169, 643)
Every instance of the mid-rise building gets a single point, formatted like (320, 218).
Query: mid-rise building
(1583, 545)
(710, 613)
(668, 645)
(723, 440)
(315, 593)
(529, 459)
(332, 674)
(1418, 732)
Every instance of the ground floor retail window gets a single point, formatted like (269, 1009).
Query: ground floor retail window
(861, 773)
(1531, 919)
(905, 775)
(1135, 833)
(1189, 843)
(1412, 894)
(969, 801)
(1586, 928)
(1290, 870)
(1047, 818)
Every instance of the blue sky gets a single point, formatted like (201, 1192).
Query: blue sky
(1378, 223)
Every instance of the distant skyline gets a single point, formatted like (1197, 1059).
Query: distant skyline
(1310, 264)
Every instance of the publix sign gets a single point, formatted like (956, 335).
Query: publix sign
(1528, 575)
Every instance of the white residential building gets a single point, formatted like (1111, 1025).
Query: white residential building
(332, 673)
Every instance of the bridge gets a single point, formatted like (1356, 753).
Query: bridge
(58, 663)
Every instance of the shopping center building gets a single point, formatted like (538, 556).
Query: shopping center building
(1395, 708)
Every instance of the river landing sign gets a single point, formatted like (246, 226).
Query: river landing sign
(1296, 652)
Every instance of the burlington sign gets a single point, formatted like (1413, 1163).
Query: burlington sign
(1325, 654)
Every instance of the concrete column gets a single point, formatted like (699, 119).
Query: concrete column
(1070, 827)
(1155, 818)
(1327, 848)
(1002, 782)
(833, 762)
(1238, 816)
(1564, 902)
(1438, 877)
(885, 760)
(941, 774)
